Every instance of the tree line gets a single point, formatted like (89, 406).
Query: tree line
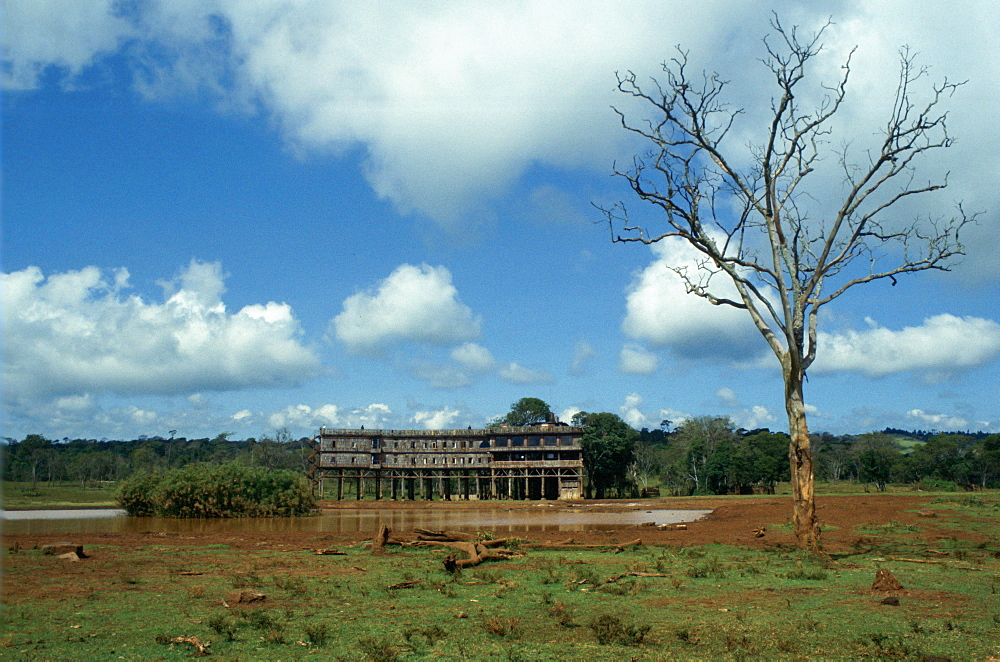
(703, 455)
(36, 459)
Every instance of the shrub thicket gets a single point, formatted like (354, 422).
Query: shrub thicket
(211, 490)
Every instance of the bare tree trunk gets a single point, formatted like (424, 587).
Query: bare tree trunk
(800, 455)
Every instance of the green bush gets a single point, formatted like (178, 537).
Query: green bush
(135, 495)
(212, 490)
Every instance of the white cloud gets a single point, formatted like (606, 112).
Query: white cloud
(453, 101)
(937, 421)
(473, 357)
(755, 417)
(637, 360)
(68, 35)
(304, 416)
(583, 355)
(674, 417)
(436, 420)
(660, 311)
(518, 374)
(141, 417)
(942, 344)
(567, 414)
(77, 333)
(417, 304)
(630, 412)
(371, 416)
(75, 403)
(728, 397)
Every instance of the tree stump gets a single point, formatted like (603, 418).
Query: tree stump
(378, 542)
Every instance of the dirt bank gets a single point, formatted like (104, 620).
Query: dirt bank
(733, 521)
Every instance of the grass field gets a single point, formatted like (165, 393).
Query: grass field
(711, 602)
(24, 496)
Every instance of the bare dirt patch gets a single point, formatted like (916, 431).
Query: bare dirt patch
(733, 521)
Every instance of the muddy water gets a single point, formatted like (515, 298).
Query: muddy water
(347, 521)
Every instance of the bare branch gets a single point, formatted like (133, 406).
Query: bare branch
(760, 226)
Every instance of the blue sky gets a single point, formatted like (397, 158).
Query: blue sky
(246, 216)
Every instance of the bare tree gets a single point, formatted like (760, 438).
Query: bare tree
(757, 225)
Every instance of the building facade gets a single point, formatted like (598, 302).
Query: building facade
(536, 462)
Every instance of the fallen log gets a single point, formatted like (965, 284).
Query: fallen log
(409, 584)
(200, 648)
(477, 553)
(445, 536)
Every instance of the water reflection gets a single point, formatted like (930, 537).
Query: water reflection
(346, 521)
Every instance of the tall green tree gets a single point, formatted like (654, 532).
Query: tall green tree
(876, 455)
(526, 411)
(608, 451)
(948, 457)
(695, 442)
(987, 460)
(33, 453)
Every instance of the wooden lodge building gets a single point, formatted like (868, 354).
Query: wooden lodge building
(538, 462)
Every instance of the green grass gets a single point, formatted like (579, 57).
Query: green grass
(22, 496)
(714, 602)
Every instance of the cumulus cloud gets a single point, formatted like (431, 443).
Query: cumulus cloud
(637, 360)
(39, 34)
(416, 304)
(79, 333)
(755, 417)
(453, 101)
(566, 416)
(943, 344)
(660, 311)
(630, 412)
(937, 421)
(300, 416)
(443, 418)
(473, 357)
(516, 373)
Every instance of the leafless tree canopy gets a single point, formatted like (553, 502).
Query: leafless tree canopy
(692, 179)
(767, 226)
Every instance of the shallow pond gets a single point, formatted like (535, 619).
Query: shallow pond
(349, 520)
